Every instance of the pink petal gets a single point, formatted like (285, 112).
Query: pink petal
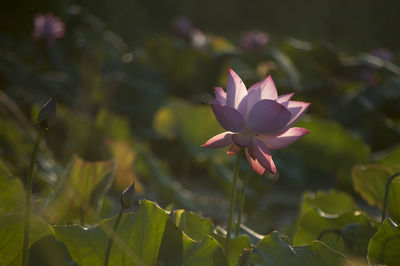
(233, 149)
(242, 140)
(264, 90)
(229, 118)
(263, 155)
(285, 139)
(268, 117)
(255, 85)
(220, 95)
(257, 167)
(236, 90)
(219, 140)
(268, 89)
(297, 109)
(284, 99)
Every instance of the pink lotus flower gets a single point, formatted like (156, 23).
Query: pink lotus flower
(257, 120)
(48, 27)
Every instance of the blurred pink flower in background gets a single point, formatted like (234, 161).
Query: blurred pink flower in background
(184, 27)
(48, 28)
(383, 54)
(256, 119)
(253, 40)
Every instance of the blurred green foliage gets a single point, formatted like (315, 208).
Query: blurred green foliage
(131, 89)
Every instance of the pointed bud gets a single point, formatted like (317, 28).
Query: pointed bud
(128, 196)
(47, 114)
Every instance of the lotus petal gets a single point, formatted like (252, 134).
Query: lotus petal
(297, 109)
(236, 90)
(284, 99)
(220, 140)
(264, 90)
(268, 89)
(268, 117)
(229, 118)
(263, 155)
(283, 140)
(220, 95)
(257, 167)
(233, 149)
(242, 140)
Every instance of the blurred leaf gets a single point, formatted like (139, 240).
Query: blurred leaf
(331, 202)
(274, 249)
(370, 182)
(48, 251)
(170, 189)
(115, 127)
(125, 156)
(12, 235)
(392, 158)
(385, 245)
(348, 232)
(81, 192)
(15, 147)
(12, 193)
(142, 239)
(195, 226)
(192, 124)
(331, 148)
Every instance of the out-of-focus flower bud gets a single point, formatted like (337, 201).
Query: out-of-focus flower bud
(47, 114)
(383, 54)
(48, 27)
(254, 40)
(182, 26)
(128, 196)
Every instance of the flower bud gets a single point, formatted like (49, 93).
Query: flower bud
(47, 114)
(128, 196)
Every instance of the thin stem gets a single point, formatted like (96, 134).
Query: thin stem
(28, 203)
(385, 199)
(232, 202)
(241, 203)
(110, 240)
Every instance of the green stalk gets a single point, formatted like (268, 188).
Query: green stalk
(110, 241)
(241, 203)
(232, 202)
(385, 199)
(28, 201)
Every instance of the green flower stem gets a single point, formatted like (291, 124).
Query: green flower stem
(241, 203)
(28, 201)
(232, 202)
(385, 199)
(110, 241)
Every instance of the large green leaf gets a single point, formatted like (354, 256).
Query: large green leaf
(80, 194)
(332, 202)
(12, 234)
(392, 158)
(354, 228)
(370, 182)
(12, 194)
(384, 246)
(332, 214)
(195, 226)
(274, 249)
(237, 245)
(141, 239)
